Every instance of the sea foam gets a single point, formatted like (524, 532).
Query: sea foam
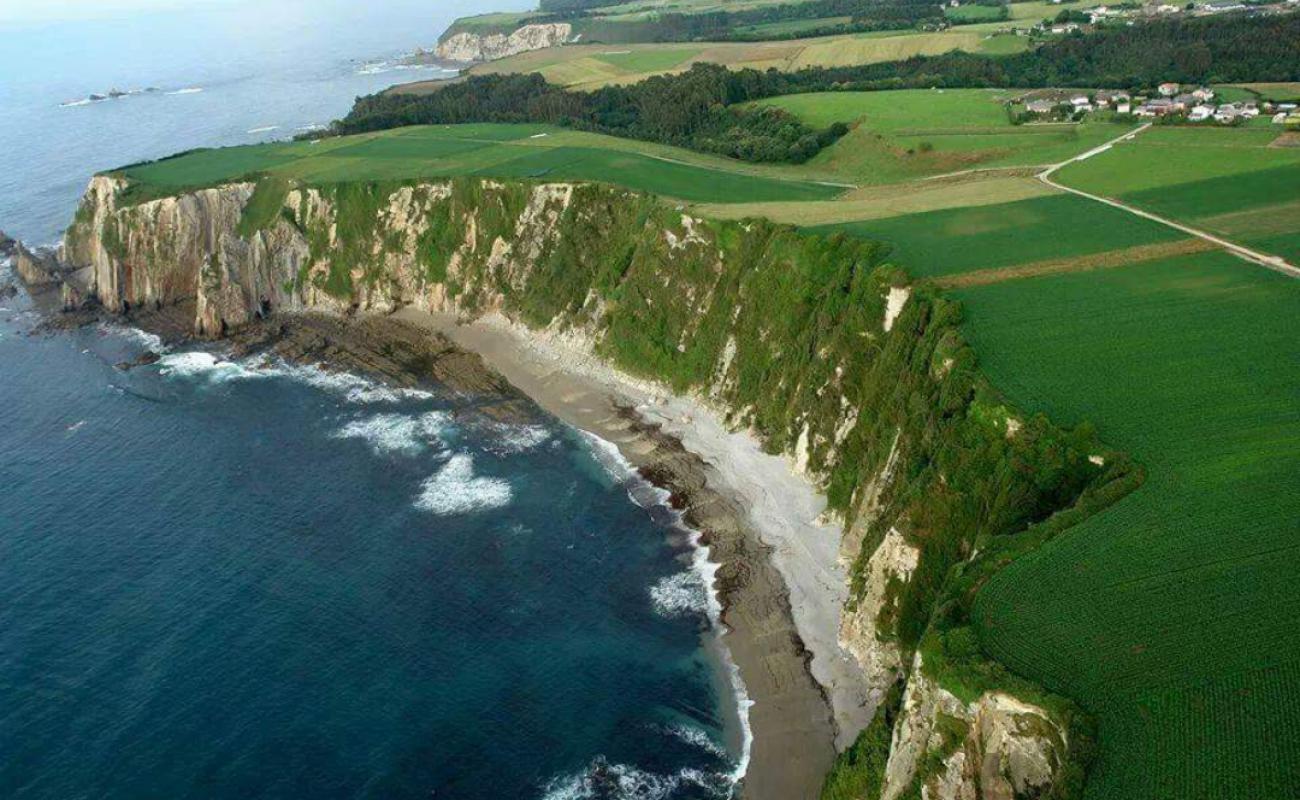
(455, 490)
(680, 595)
(398, 433)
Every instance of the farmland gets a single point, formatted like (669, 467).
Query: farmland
(502, 151)
(1232, 182)
(587, 65)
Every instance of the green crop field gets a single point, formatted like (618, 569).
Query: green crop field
(1230, 181)
(1170, 616)
(973, 13)
(520, 151)
(957, 240)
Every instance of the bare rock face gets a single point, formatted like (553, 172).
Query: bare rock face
(861, 632)
(995, 748)
(36, 268)
(489, 47)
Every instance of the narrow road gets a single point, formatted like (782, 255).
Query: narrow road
(1275, 263)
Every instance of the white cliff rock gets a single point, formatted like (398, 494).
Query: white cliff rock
(489, 47)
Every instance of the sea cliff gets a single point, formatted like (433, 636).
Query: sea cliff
(814, 345)
(470, 46)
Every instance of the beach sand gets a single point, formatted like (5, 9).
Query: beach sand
(780, 580)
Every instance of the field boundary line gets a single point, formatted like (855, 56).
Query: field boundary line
(1275, 263)
(1107, 259)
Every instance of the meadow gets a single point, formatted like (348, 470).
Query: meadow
(916, 133)
(588, 66)
(502, 151)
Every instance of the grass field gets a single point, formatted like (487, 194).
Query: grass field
(973, 13)
(956, 240)
(504, 151)
(1230, 181)
(914, 133)
(588, 66)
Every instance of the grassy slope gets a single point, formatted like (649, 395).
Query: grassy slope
(587, 66)
(505, 151)
(916, 133)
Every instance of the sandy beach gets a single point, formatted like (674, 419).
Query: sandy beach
(780, 581)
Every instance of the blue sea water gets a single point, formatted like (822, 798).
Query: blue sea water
(231, 580)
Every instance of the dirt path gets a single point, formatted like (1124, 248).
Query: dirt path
(1276, 263)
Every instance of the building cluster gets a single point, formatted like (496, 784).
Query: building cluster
(1171, 100)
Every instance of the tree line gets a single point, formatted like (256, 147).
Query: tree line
(704, 108)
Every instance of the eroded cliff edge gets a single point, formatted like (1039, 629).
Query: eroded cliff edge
(814, 344)
(460, 45)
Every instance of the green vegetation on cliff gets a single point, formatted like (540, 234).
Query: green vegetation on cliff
(532, 152)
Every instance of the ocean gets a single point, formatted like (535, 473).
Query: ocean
(227, 579)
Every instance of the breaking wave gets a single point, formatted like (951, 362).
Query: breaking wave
(187, 90)
(455, 490)
(264, 129)
(398, 433)
(149, 341)
(509, 439)
(680, 595)
(353, 388)
(605, 781)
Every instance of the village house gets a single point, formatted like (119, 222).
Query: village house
(1279, 118)
(1169, 89)
(1227, 113)
(1156, 108)
(1203, 94)
(1200, 113)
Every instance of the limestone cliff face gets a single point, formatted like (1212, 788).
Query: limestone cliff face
(994, 748)
(468, 47)
(730, 311)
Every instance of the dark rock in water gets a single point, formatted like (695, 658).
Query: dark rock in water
(143, 361)
(7, 245)
(7, 290)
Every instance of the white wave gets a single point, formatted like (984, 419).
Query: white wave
(189, 90)
(679, 595)
(199, 364)
(398, 433)
(605, 781)
(265, 129)
(85, 101)
(608, 456)
(315, 126)
(698, 738)
(149, 341)
(455, 490)
(354, 388)
(511, 439)
(76, 426)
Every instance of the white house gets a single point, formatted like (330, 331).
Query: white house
(1123, 107)
(1203, 94)
(1201, 113)
(1168, 89)
(1279, 118)
(1227, 113)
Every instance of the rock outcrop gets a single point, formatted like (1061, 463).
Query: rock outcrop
(469, 47)
(995, 748)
